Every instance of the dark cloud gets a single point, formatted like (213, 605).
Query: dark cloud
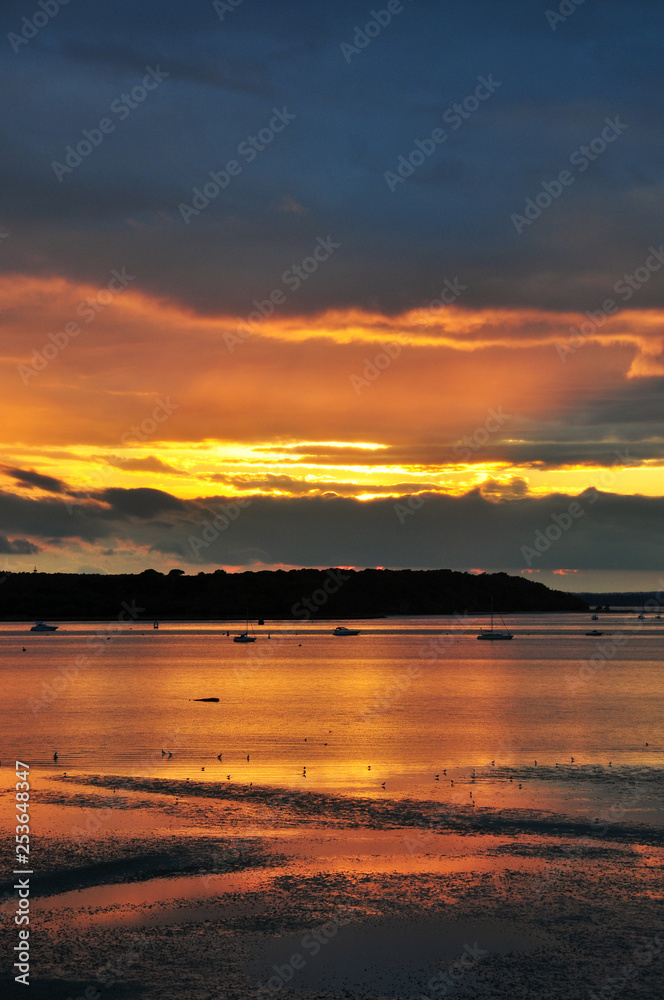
(502, 528)
(17, 546)
(142, 503)
(31, 480)
(354, 121)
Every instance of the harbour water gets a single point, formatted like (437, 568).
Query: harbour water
(410, 794)
(405, 700)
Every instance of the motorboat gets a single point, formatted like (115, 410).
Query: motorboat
(493, 634)
(342, 630)
(42, 627)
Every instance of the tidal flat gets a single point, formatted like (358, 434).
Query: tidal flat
(175, 888)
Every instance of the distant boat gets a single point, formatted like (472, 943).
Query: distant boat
(342, 630)
(493, 634)
(41, 627)
(595, 631)
(594, 618)
(156, 625)
(244, 636)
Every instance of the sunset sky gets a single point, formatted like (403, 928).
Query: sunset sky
(277, 292)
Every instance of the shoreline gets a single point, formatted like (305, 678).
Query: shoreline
(210, 884)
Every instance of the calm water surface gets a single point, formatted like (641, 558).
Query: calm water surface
(398, 703)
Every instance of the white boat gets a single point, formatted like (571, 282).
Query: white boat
(342, 630)
(244, 636)
(493, 634)
(41, 627)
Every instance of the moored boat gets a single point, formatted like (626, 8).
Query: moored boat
(42, 627)
(493, 634)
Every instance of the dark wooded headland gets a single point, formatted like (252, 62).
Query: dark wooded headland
(298, 594)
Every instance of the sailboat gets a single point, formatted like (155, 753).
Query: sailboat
(244, 636)
(493, 633)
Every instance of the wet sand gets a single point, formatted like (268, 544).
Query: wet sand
(172, 888)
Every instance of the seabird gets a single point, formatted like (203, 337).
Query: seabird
(202, 769)
(55, 755)
(163, 753)
(228, 777)
(383, 785)
(247, 756)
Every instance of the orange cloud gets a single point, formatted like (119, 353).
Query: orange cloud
(448, 398)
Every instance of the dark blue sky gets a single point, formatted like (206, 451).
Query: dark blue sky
(354, 120)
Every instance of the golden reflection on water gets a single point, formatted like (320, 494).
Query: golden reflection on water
(315, 712)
